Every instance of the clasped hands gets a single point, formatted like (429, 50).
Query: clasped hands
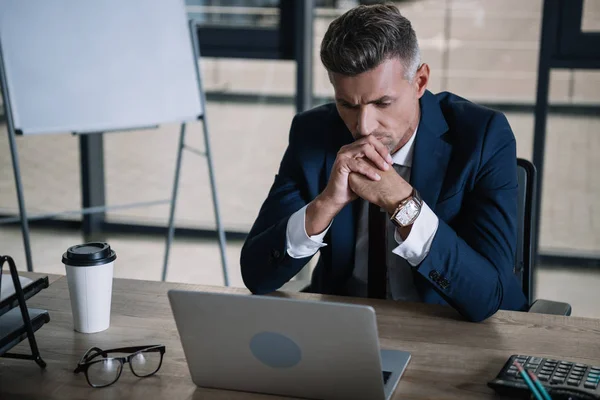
(363, 169)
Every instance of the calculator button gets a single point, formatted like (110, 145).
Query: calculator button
(582, 369)
(556, 379)
(566, 364)
(543, 377)
(560, 375)
(545, 372)
(594, 376)
(590, 385)
(511, 372)
(577, 375)
(573, 382)
(549, 369)
(536, 360)
(580, 365)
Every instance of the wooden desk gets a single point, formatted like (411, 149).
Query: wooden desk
(452, 359)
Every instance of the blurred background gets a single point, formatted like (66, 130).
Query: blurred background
(259, 66)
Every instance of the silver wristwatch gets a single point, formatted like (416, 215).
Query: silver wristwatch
(408, 210)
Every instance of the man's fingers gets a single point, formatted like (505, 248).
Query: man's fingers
(375, 157)
(380, 148)
(372, 149)
(363, 167)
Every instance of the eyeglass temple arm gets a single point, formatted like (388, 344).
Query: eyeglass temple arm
(90, 354)
(135, 349)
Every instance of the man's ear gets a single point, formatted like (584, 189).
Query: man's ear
(421, 79)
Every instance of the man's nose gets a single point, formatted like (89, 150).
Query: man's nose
(366, 124)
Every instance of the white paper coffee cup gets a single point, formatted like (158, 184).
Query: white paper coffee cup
(89, 270)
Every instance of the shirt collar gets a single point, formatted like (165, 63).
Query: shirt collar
(404, 156)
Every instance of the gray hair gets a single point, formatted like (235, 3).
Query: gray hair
(365, 36)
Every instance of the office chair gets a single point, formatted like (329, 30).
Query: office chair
(524, 265)
(524, 259)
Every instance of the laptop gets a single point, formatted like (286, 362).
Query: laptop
(289, 347)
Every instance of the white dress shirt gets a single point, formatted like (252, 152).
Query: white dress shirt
(410, 251)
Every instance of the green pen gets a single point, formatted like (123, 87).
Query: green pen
(539, 385)
(528, 381)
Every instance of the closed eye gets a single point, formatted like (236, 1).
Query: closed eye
(350, 106)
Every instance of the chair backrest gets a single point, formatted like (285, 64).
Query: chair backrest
(527, 202)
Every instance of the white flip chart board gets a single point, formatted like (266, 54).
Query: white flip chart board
(96, 66)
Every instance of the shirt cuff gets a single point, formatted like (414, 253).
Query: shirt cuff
(418, 243)
(299, 244)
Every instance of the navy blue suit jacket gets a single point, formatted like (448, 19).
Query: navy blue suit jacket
(464, 166)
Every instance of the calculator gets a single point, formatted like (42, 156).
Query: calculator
(559, 377)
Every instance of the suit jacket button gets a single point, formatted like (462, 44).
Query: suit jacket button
(444, 283)
(434, 275)
(275, 254)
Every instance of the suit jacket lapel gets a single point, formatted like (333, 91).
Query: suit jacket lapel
(431, 152)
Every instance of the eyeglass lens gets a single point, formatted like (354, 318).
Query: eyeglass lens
(104, 372)
(146, 363)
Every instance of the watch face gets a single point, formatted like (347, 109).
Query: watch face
(408, 212)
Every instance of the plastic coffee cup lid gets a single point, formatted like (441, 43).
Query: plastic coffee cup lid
(89, 254)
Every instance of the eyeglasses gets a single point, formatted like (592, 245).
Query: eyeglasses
(143, 361)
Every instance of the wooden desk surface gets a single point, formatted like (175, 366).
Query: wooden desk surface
(452, 359)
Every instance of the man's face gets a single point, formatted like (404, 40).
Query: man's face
(381, 102)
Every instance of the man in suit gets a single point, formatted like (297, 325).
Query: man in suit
(407, 195)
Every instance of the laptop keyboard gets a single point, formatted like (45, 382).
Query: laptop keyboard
(386, 376)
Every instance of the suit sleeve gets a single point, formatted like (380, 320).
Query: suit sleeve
(265, 262)
(470, 263)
